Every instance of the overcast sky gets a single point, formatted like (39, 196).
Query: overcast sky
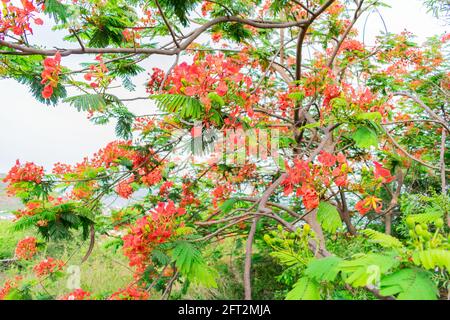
(31, 131)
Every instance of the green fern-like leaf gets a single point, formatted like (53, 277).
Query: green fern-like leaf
(328, 217)
(360, 270)
(432, 258)
(305, 289)
(426, 218)
(190, 263)
(287, 258)
(382, 239)
(186, 107)
(409, 284)
(87, 102)
(57, 10)
(325, 269)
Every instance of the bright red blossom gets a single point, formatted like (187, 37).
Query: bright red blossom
(130, 293)
(78, 294)
(382, 173)
(369, 203)
(148, 232)
(27, 172)
(50, 74)
(48, 266)
(327, 159)
(8, 286)
(26, 248)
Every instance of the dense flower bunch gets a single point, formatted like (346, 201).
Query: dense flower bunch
(214, 74)
(382, 174)
(26, 248)
(18, 19)
(113, 152)
(124, 189)
(48, 266)
(150, 231)
(27, 172)
(78, 294)
(221, 193)
(188, 196)
(8, 286)
(130, 293)
(156, 79)
(29, 210)
(50, 74)
(98, 74)
(369, 203)
(305, 177)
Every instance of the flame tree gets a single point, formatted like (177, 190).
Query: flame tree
(362, 149)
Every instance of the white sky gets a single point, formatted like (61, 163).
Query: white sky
(31, 131)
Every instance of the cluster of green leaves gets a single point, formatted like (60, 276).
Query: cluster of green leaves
(404, 269)
(60, 220)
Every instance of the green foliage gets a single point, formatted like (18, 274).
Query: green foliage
(106, 27)
(186, 107)
(190, 263)
(409, 284)
(328, 217)
(35, 86)
(382, 239)
(432, 258)
(357, 272)
(305, 289)
(326, 269)
(56, 9)
(365, 138)
(61, 220)
(87, 102)
(178, 8)
(9, 239)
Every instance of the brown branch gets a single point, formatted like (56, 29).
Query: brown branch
(396, 144)
(356, 16)
(167, 24)
(248, 261)
(442, 165)
(423, 106)
(262, 24)
(91, 243)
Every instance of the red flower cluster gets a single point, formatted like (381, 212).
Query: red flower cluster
(165, 187)
(28, 172)
(124, 189)
(78, 294)
(220, 193)
(150, 231)
(8, 286)
(130, 293)
(155, 81)
(26, 248)
(143, 124)
(309, 196)
(306, 176)
(152, 178)
(213, 74)
(50, 75)
(369, 203)
(30, 209)
(352, 45)
(97, 75)
(113, 152)
(384, 175)
(18, 19)
(48, 266)
(188, 196)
